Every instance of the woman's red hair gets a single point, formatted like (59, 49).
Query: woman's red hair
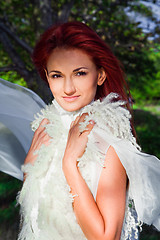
(77, 35)
(80, 36)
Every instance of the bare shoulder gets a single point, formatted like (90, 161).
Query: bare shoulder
(111, 193)
(113, 173)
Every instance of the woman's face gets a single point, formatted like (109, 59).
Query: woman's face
(73, 78)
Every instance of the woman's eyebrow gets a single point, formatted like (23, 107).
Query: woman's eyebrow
(77, 69)
(54, 71)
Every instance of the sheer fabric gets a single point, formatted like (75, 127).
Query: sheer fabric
(17, 108)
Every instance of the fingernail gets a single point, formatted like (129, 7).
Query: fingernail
(92, 122)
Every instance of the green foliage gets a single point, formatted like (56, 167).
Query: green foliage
(8, 190)
(142, 9)
(149, 233)
(150, 238)
(8, 214)
(13, 77)
(148, 131)
(108, 18)
(20, 20)
(144, 78)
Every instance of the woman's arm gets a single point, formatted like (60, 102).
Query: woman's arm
(102, 219)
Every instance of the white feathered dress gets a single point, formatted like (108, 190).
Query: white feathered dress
(45, 199)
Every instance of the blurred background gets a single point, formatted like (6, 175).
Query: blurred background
(131, 28)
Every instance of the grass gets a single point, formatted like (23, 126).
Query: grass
(8, 191)
(147, 126)
(9, 212)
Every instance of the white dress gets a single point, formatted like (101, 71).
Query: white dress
(45, 199)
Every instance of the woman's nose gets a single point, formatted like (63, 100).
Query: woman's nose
(69, 88)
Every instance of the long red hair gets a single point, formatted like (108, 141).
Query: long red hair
(80, 36)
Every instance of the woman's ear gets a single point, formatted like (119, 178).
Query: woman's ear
(101, 77)
(46, 72)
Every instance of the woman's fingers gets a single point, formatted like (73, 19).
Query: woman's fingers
(90, 125)
(43, 135)
(77, 140)
(75, 121)
(44, 122)
(46, 139)
(40, 137)
(42, 125)
(88, 128)
(78, 120)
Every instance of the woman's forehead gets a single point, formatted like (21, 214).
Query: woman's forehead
(69, 58)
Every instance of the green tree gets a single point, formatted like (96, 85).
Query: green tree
(22, 22)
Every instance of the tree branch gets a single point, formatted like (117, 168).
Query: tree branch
(23, 44)
(46, 13)
(66, 11)
(8, 68)
(13, 54)
(33, 80)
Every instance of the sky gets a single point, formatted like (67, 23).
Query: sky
(145, 23)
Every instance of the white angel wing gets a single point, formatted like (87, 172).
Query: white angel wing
(17, 108)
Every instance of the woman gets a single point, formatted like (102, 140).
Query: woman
(84, 176)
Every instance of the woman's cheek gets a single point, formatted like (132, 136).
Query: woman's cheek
(55, 87)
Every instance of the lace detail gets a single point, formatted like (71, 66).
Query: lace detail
(131, 225)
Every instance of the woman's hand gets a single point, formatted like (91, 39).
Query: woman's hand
(77, 140)
(40, 137)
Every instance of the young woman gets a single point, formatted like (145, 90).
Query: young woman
(84, 175)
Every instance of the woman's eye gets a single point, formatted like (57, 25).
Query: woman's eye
(82, 73)
(55, 76)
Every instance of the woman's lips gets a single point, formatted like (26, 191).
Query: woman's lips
(71, 98)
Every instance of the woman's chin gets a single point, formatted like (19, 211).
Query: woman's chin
(71, 109)
(73, 105)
